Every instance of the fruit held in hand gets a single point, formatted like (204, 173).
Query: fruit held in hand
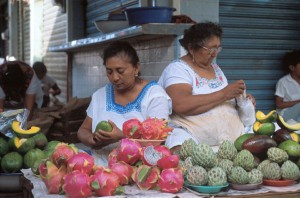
(104, 125)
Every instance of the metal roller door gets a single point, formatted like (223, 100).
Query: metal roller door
(99, 10)
(257, 33)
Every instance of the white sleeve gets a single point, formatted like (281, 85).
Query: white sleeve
(176, 73)
(158, 103)
(280, 89)
(2, 94)
(34, 85)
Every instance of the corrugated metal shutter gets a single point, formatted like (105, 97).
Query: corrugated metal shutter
(26, 35)
(257, 33)
(99, 10)
(54, 33)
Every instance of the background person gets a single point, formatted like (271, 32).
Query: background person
(49, 85)
(287, 94)
(204, 104)
(126, 96)
(19, 87)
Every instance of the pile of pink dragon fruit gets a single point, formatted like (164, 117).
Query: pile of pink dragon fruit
(149, 129)
(75, 174)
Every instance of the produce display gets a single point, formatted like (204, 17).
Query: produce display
(253, 159)
(264, 157)
(23, 150)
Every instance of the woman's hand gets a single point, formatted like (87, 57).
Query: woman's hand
(235, 89)
(252, 99)
(103, 138)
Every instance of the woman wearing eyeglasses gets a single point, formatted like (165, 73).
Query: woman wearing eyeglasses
(204, 105)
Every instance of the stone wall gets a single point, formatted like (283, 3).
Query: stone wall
(88, 72)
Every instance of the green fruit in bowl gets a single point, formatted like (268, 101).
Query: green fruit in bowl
(104, 125)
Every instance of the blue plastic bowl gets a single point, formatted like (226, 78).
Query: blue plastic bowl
(142, 15)
(206, 189)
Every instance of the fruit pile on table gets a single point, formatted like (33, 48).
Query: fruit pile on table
(264, 157)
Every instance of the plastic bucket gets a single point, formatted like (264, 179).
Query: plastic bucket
(142, 15)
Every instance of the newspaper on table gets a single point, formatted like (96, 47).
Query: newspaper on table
(7, 118)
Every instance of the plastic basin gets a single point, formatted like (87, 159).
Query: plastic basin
(142, 15)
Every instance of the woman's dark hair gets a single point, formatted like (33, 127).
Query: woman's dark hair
(39, 68)
(122, 48)
(290, 58)
(14, 79)
(199, 33)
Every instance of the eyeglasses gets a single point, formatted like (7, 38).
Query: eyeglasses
(212, 50)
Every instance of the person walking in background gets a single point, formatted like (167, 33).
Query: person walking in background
(205, 106)
(19, 87)
(125, 97)
(49, 85)
(287, 94)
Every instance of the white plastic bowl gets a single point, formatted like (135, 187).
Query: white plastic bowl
(107, 26)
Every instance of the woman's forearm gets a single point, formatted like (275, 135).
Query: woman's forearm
(197, 104)
(283, 105)
(29, 104)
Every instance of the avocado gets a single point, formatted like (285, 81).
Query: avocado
(104, 125)
(270, 117)
(291, 127)
(264, 128)
(241, 139)
(281, 135)
(259, 144)
(291, 147)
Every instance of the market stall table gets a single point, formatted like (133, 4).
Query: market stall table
(39, 190)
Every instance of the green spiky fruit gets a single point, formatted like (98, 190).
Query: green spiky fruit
(264, 163)
(186, 165)
(197, 175)
(217, 177)
(227, 150)
(272, 171)
(244, 159)
(187, 148)
(203, 155)
(255, 176)
(226, 165)
(290, 170)
(277, 155)
(238, 175)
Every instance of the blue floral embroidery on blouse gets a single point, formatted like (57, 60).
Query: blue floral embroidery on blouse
(135, 105)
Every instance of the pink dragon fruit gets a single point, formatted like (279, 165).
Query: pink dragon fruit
(150, 156)
(123, 170)
(52, 176)
(132, 128)
(62, 153)
(129, 151)
(170, 180)
(146, 177)
(155, 129)
(97, 168)
(77, 185)
(163, 149)
(105, 182)
(112, 157)
(166, 162)
(82, 162)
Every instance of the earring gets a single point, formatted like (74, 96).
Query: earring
(136, 75)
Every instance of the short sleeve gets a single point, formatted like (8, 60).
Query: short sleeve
(34, 85)
(157, 103)
(175, 73)
(280, 89)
